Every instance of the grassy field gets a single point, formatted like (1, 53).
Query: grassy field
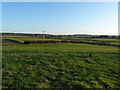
(27, 38)
(59, 65)
(111, 41)
(94, 40)
(21, 39)
(106, 39)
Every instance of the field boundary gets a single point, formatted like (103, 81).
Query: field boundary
(71, 41)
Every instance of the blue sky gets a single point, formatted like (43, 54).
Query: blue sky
(60, 17)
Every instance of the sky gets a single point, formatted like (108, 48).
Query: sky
(61, 17)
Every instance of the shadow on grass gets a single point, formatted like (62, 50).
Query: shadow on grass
(11, 41)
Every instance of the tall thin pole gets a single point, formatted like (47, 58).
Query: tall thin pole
(43, 35)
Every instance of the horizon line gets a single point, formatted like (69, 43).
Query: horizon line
(61, 33)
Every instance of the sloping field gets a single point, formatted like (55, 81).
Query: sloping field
(62, 65)
(10, 41)
(95, 40)
(38, 40)
(110, 41)
(27, 38)
(105, 39)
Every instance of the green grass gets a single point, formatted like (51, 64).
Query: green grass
(88, 39)
(105, 39)
(59, 65)
(6, 41)
(27, 38)
(75, 38)
(115, 41)
(31, 38)
(94, 40)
